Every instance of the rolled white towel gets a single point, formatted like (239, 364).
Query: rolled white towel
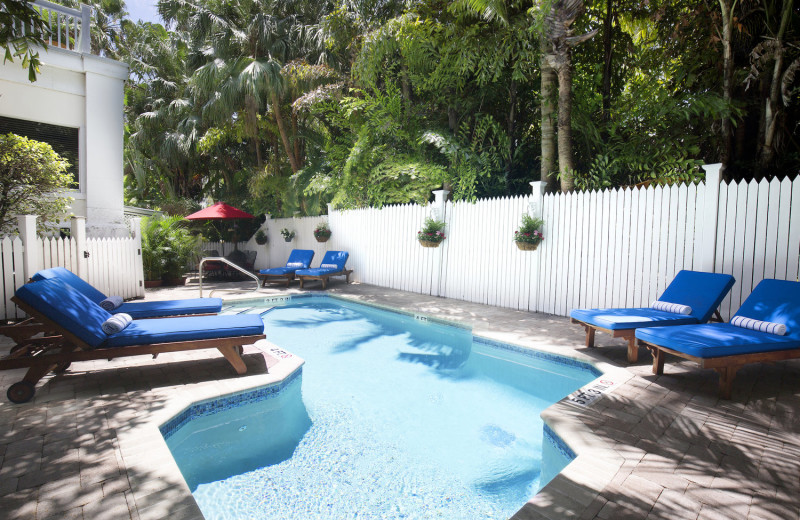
(329, 266)
(676, 308)
(111, 303)
(761, 326)
(116, 323)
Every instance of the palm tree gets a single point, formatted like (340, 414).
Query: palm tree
(557, 49)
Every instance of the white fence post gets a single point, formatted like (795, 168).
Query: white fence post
(32, 252)
(438, 213)
(537, 200)
(136, 234)
(709, 218)
(78, 227)
(84, 44)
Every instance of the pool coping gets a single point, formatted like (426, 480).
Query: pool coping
(573, 489)
(163, 493)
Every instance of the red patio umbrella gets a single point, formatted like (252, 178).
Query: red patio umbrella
(219, 211)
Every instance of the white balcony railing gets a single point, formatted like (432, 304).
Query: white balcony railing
(68, 28)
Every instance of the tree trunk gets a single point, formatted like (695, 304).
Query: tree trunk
(727, 81)
(566, 165)
(772, 108)
(276, 109)
(607, 54)
(251, 124)
(511, 121)
(548, 166)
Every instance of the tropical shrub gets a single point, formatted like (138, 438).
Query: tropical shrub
(33, 181)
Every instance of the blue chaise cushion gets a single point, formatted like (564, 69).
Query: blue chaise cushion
(71, 279)
(777, 301)
(157, 309)
(67, 307)
(145, 332)
(703, 292)
(333, 262)
(623, 319)
(298, 259)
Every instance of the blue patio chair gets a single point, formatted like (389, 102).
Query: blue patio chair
(752, 336)
(695, 293)
(332, 265)
(79, 323)
(136, 310)
(298, 259)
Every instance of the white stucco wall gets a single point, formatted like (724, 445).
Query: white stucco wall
(85, 92)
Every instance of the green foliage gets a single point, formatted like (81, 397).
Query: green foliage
(167, 247)
(33, 181)
(432, 230)
(286, 234)
(261, 237)
(530, 230)
(21, 28)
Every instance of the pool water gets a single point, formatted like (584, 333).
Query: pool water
(392, 417)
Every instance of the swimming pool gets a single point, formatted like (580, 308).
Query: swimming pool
(393, 416)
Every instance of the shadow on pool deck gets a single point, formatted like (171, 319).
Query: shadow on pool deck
(676, 451)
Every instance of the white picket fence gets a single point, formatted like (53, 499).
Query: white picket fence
(611, 248)
(113, 265)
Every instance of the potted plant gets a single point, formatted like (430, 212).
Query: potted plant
(322, 232)
(261, 237)
(529, 233)
(287, 235)
(432, 233)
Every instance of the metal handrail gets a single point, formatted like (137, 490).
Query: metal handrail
(225, 260)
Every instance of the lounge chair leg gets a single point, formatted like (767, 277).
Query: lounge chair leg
(633, 350)
(324, 283)
(726, 375)
(301, 283)
(231, 353)
(589, 336)
(658, 361)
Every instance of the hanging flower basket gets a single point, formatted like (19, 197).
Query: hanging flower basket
(322, 232)
(527, 246)
(322, 238)
(429, 243)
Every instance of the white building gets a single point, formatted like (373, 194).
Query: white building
(77, 102)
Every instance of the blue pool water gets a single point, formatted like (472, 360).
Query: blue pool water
(392, 417)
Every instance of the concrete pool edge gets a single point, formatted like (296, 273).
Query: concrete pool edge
(157, 485)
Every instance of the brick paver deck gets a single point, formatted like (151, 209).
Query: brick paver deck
(655, 447)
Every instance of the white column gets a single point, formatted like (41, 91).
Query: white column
(104, 144)
(709, 217)
(31, 254)
(78, 231)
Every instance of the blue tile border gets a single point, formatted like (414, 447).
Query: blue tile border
(554, 358)
(555, 441)
(219, 404)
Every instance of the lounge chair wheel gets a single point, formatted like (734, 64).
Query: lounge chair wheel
(21, 392)
(62, 367)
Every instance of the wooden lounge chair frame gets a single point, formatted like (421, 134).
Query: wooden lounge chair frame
(276, 278)
(628, 334)
(55, 353)
(324, 277)
(725, 366)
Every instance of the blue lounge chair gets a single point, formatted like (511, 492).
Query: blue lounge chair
(137, 310)
(725, 347)
(703, 292)
(332, 265)
(78, 322)
(298, 259)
